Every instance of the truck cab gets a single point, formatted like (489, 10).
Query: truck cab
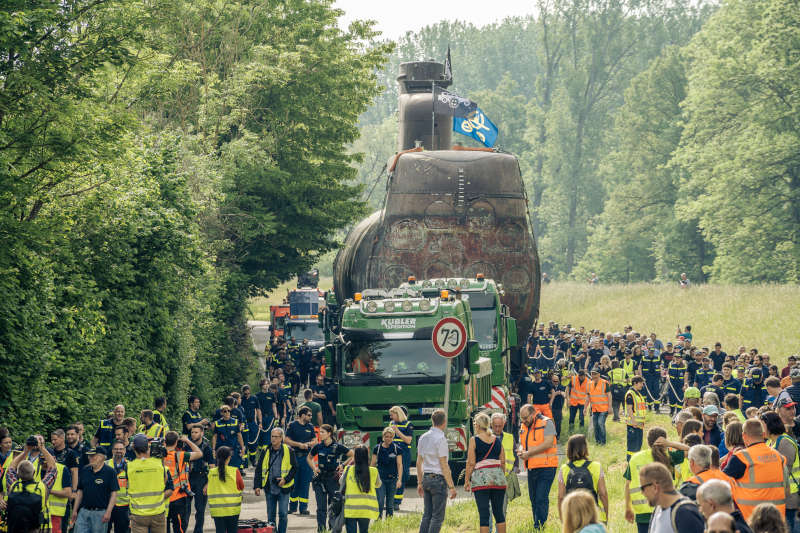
(303, 319)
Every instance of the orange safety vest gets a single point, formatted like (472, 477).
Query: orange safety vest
(359, 367)
(598, 396)
(534, 436)
(711, 473)
(763, 480)
(178, 472)
(577, 395)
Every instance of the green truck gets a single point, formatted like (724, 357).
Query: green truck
(382, 355)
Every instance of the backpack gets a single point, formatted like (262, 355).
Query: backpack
(579, 477)
(674, 510)
(24, 509)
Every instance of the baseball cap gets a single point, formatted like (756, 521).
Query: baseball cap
(140, 443)
(669, 344)
(692, 392)
(710, 410)
(96, 450)
(595, 370)
(784, 400)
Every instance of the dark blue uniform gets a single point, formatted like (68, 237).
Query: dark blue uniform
(407, 429)
(250, 434)
(731, 386)
(651, 372)
(227, 432)
(190, 418)
(753, 394)
(386, 461)
(329, 457)
(300, 433)
(266, 401)
(675, 374)
(703, 376)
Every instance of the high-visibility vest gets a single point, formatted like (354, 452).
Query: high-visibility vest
(122, 480)
(711, 473)
(530, 437)
(286, 465)
(595, 469)
(794, 470)
(577, 394)
(740, 415)
(34, 487)
(598, 396)
(682, 473)
(628, 367)
(358, 504)
(638, 499)
(178, 472)
(224, 497)
(155, 431)
(146, 486)
(57, 505)
(508, 449)
(762, 481)
(617, 376)
(638, 416)
(158, 418)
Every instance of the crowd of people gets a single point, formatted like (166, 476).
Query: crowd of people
(733, 467)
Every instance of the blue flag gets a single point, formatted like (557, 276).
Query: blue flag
(477, 126)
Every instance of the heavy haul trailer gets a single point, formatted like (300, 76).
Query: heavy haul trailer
(382, 356)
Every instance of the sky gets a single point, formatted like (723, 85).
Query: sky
(396, 18)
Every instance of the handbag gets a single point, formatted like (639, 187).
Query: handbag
(488, 473)
(513, 489)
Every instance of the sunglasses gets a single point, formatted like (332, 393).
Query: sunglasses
(646, 485)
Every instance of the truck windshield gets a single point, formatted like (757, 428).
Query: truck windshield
(305, 330)
(391, 361)
(485, 321)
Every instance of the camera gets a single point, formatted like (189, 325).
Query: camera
(184, 488)
(32, 441)
(157, 449)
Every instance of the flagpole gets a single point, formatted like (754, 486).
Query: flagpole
(433, 111)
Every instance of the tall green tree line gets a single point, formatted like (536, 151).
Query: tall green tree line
(159, 163)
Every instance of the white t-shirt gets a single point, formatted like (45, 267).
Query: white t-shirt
(431, 446)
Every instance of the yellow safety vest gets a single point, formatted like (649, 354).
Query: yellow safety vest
(508, 448)
(595, 469)
(146, 486)
(35, 487)
(638, 460)
(159, 418)
(57, 505)
(617, 376)
(627, 367)
(638, 416)
(122, 480)
(794, 470)
(224, 497)
(682, 473)
(156, 431)
(359, 504)
(286, 465)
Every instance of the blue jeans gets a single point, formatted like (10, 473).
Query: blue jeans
(599, 423)
(386, 496)
(90, 521)
(539, 482)
(792, 521)
(434, 489)
(281, 501)
(302, 482)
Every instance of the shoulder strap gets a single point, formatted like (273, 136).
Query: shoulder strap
(674, 510)
(490, 448)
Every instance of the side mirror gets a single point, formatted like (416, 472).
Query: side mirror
(471, 353)
(511, 325)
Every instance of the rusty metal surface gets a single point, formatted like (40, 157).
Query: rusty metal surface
(448, 213)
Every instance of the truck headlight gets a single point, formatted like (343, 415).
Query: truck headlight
(371, 306)
(388, 307)
(424, 305)
(407, 306)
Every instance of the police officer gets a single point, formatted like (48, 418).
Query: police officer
(252, 421)
(300, 435)
(651, 372)
(330, 455)
(198, 477)
(149, 488)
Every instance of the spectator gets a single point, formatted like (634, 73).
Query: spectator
(485, 477)
(432, 468)
(598, 405)
(224, 491)
(580, 513)
(684, 281)
(198, 477)
(722, 523)
(572, 476)
(670, 507)
(701, 463)
(785, 445)
(537, 448)
(97, 494)
(711, 432)
(714, 496)
(794, 388)
(733, 442)
(767, 518)
(360, 498)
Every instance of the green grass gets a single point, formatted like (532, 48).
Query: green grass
(761, 316)
(259, 305)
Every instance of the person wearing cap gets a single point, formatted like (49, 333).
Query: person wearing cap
(676, 383)
(149, 489)
(577, 393)
(712, 435)
(540, 394)
(754, 393)
(598, 405)
(778, 440)
(97, 494)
